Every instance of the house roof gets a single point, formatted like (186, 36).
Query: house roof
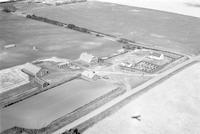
(86, 57)
(54, 59)
(31, 69)
(89, 74)
(63, 63)
(156, 54)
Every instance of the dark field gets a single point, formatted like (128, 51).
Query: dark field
(40, 110)
(50, 41)
(164, 30)
(156, 29)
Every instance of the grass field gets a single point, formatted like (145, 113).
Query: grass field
(50, 41)
(154, 28)
(52, 104)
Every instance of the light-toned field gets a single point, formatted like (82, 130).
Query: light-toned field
(12, 78)
(171, 107)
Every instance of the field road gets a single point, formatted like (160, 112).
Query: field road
(129, 93)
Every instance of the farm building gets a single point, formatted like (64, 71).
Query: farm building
(127, 66)
(156, 56)
(34, 71)
(63, 65)
(121, 51)
(88, 58)
(42, 83)
(89, 75)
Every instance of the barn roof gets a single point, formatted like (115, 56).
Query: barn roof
(156, 54)
(31, 69)
(86, 57)
(89, 74)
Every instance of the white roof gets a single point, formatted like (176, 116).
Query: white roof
(55, 59)
(31, 68)
(120, 50)
(63, 63)
(89, 74)
(156, 56)
(86, 57)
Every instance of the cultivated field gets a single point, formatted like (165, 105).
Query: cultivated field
(40, 110)
(48, 39)
(164, 30)
(11, 78)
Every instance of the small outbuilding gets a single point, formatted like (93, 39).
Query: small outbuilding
(42, 83)
(63, 65)
(156, 56)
